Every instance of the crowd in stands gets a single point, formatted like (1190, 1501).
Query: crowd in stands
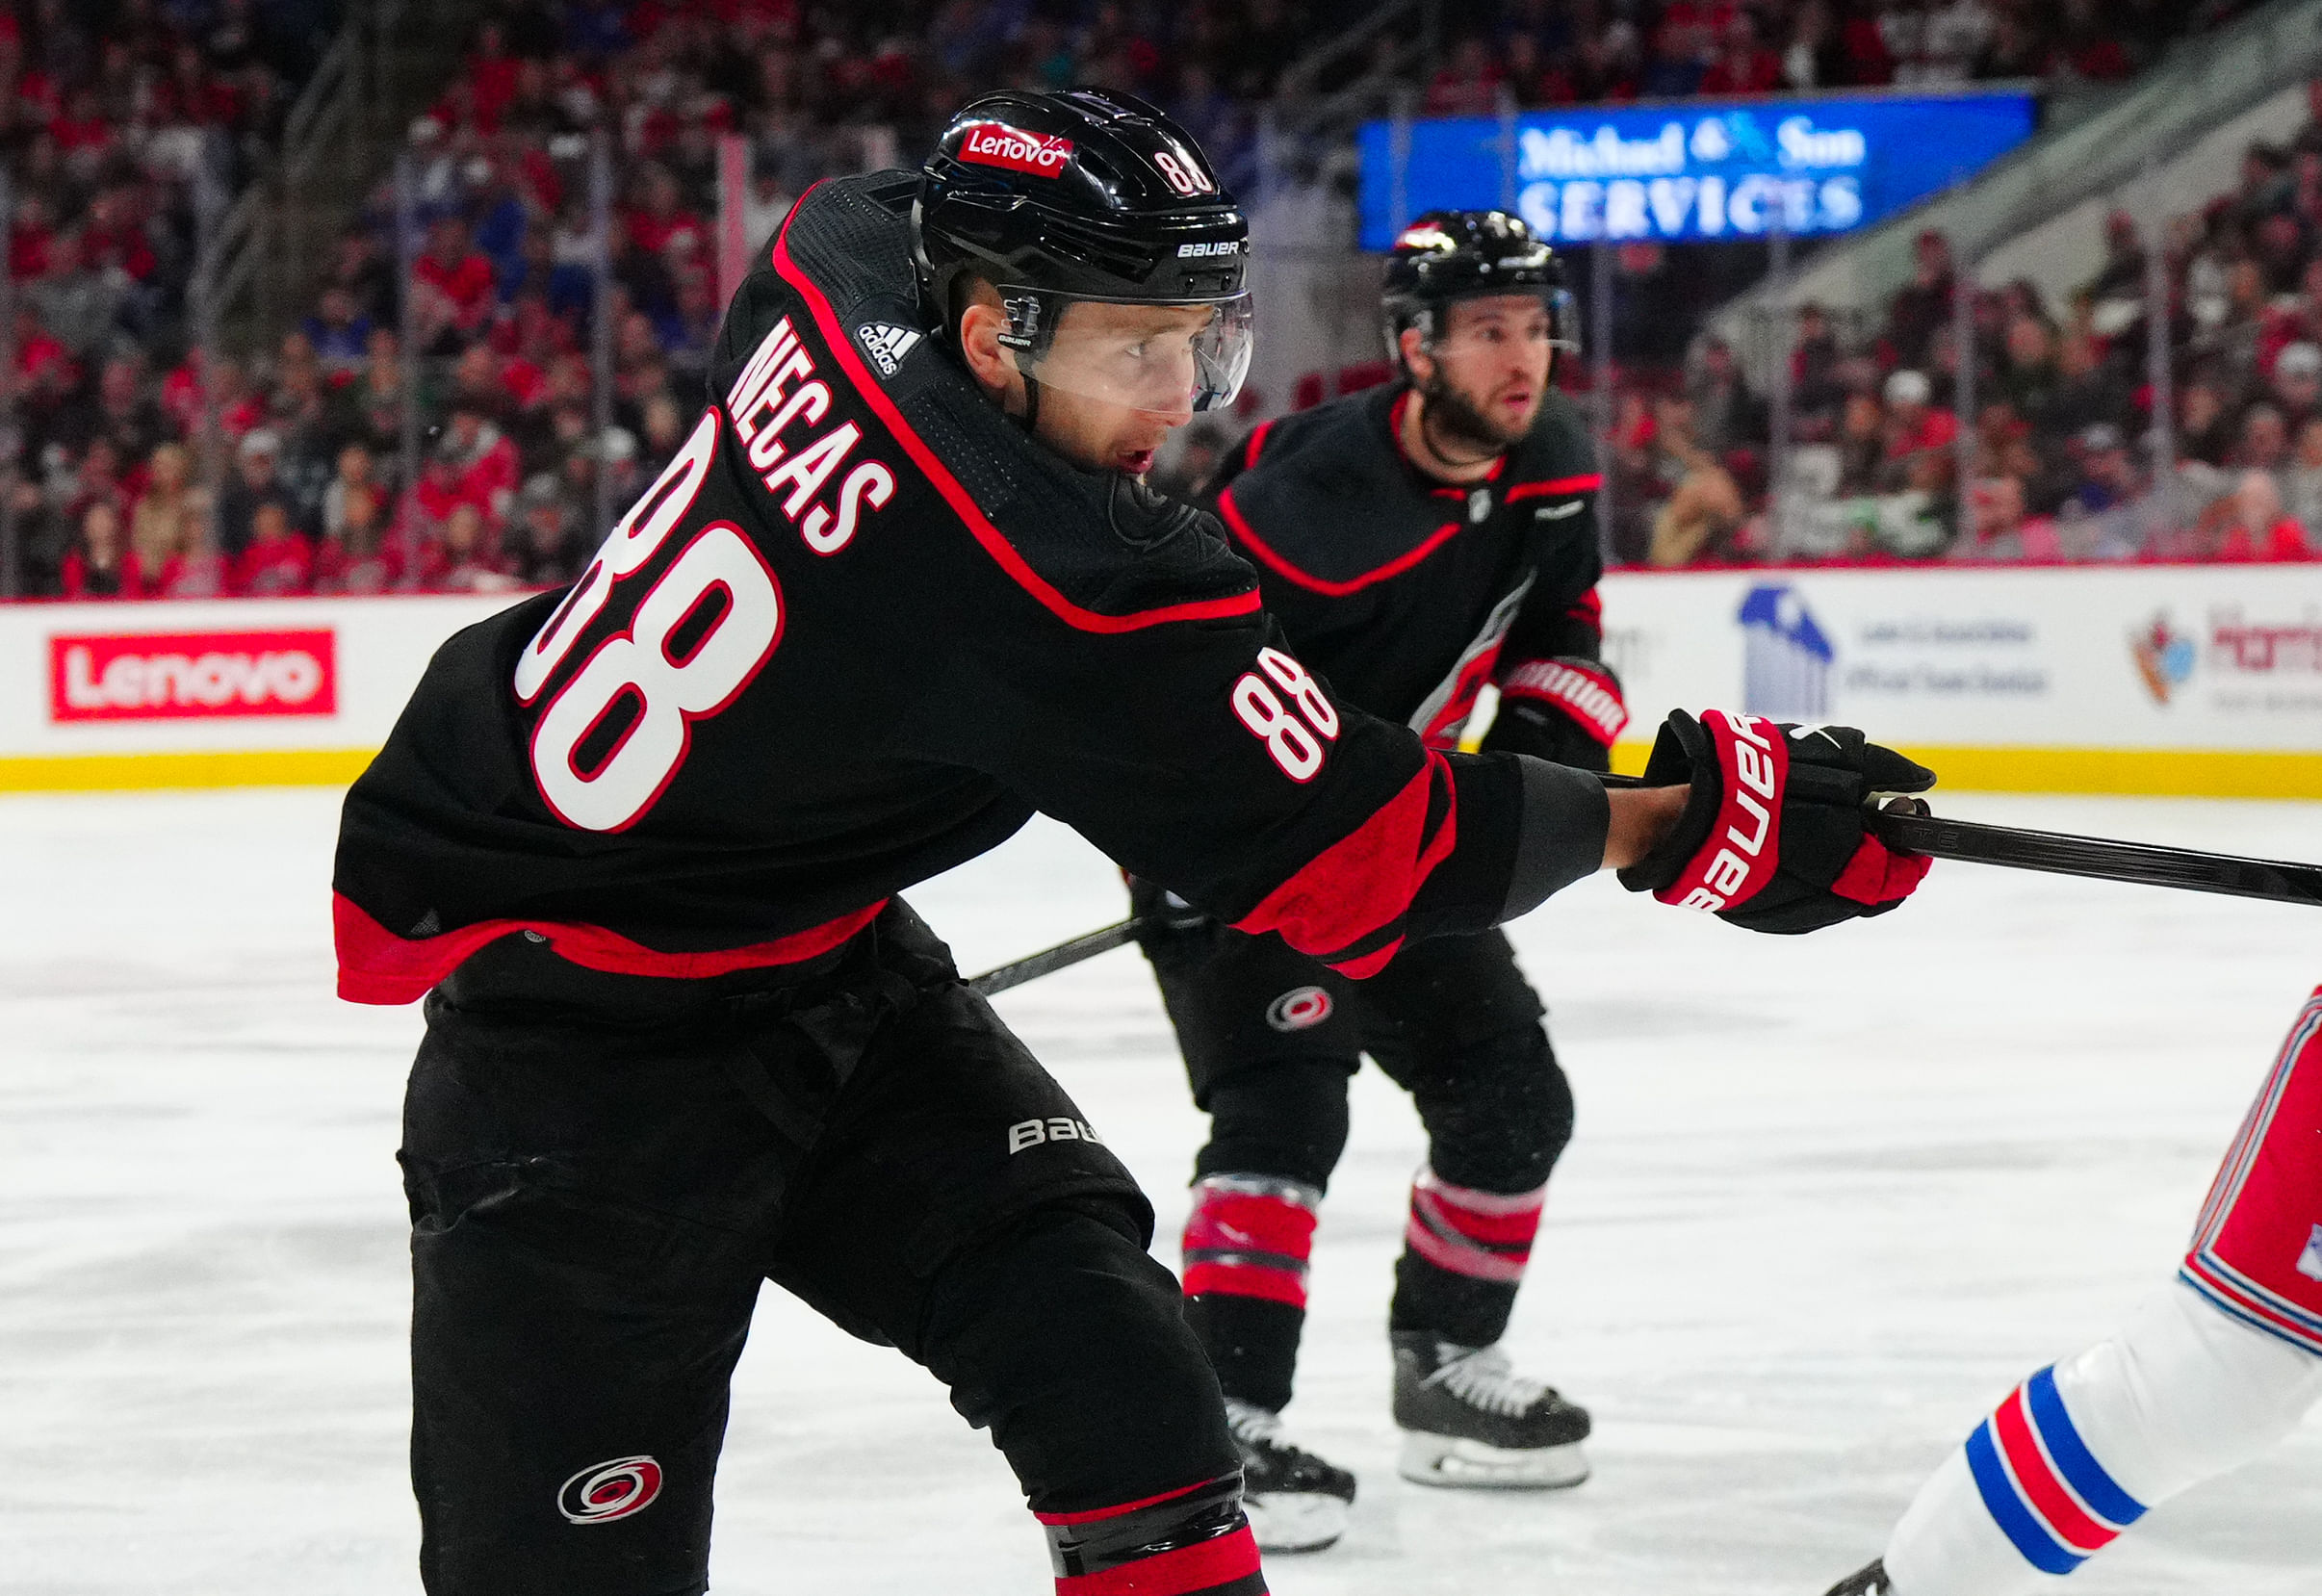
(145, 467)
(2065, 445)
(1564, 52)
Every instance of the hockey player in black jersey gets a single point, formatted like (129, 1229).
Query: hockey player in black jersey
(638, 845)
(1415, 542)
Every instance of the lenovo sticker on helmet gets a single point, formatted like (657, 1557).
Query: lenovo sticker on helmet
(998, 144)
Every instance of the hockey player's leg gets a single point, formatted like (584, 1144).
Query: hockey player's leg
(571, 1344)
(961, 1207)
(1462, 1031)
(2077, 1454)
(1065, 1338)
(1269, 1045)
(1277, 1130)
(2205, 1376)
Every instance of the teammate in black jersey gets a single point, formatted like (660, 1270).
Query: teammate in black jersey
(638, 844)
(1415, 542)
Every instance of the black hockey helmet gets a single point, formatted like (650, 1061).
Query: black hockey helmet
(1083, 196)
(1450, 255)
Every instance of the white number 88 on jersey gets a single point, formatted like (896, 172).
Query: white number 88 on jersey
(1294, 732)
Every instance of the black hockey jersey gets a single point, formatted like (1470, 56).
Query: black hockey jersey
(856, 634)
(1406, 593)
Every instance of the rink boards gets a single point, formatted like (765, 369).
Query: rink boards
(2180, 680)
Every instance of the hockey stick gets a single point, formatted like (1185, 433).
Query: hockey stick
(2097, 858)
(1063, 956)
(2056, 853)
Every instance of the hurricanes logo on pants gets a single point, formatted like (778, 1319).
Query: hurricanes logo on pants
(603, 1492)
(1299, 1009)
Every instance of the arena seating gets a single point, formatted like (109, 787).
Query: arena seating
(112, 105)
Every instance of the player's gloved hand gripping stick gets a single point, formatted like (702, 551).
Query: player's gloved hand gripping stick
(1777, 833)
(1825, 859)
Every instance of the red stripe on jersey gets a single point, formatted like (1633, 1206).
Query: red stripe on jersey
(1257, 442)
(2037, 1478)
(1369, 964)
(1185, 1571)
(1560, 484)
(995, 541)
(1590, 606)
(1366, 880)
(375, 966)
(1242, 533)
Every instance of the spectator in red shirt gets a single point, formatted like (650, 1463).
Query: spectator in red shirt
(193, 570)
(484, 466)
(460, 279)
(1468, 85)
(357, 557)
(1913, 424)
(100, 565)
(2261, 531)
(491, 74)
(460, 562)
(279, 560)
(662, 217)
(1744, 65)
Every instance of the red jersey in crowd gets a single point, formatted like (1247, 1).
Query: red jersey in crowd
(84, 579)
(339, 570)
(271, 567)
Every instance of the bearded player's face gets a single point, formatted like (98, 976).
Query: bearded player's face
(1490, 364)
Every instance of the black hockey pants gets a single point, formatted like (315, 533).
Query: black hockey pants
(602, 1171)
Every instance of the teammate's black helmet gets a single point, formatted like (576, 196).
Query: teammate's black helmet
(1088, 195)
(1449, 256)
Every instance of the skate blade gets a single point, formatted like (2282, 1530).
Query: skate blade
(1470, 1465)
(1295, 1521)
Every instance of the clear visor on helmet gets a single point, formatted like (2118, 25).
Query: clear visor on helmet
(1163, 356)
(1527, 315)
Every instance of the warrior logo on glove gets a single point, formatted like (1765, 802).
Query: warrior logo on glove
(1775, 835)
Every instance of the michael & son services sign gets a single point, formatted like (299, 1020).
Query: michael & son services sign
(1693, 173)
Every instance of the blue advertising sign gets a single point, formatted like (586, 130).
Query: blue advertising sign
(1676, 173)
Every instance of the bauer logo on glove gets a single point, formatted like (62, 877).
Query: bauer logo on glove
(1775, 835)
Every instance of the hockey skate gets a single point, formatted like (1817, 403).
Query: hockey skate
(1868, 1582)
(1469, 1420)
(1296, 1501)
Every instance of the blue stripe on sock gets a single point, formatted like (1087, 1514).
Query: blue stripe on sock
(2074, 1460)
(2042, 1549)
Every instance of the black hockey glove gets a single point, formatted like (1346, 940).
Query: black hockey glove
(1564, 710)
(1774, 836)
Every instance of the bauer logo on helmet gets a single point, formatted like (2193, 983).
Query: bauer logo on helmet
(998, 144)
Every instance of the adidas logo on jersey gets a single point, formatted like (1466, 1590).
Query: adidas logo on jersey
(886, 343)
(2310, 1265)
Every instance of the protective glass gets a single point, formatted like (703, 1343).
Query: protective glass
(1560, 328)
(1156, 355)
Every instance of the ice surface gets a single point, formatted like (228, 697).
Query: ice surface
(1829, 1198)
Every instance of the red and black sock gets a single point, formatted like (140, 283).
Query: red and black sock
(1188, 1542)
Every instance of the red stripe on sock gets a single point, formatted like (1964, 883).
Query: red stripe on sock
(1186, 1571)
(1244, 1221)
(1506, 1230)
(1095, 1514)
(2038, 1478)
(1216, 1279)
(1461, 1257)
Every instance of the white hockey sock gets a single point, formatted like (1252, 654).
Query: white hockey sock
(2078, 1452)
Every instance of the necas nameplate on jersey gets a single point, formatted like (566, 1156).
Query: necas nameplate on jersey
(193, 675)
